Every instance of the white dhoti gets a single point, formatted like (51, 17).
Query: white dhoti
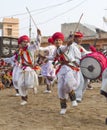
(67, 81)
(15, 77)
(26, 79)
(81, 88)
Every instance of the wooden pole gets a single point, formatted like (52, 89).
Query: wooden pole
(31, 17)
(77, 24)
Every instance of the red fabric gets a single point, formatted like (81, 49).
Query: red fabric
(57, 70)
(25, 48)
(58, 35)
(59, 58)
(93, 49)
(81, 50)
(78, 34)
(10, 73)
(62, 58)
(50, 40)
(23, 38)
(2, 63)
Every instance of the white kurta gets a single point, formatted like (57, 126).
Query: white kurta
(67, 77)
(25, 77)
(50, 49)
(15, 66)
(48, 70)
(77, 55)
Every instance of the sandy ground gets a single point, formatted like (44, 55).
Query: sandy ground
(42, 111)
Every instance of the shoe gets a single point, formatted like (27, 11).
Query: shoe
(23, 103)
(89, 87)
(63, 111)
(35, 90)
(74, 103)
(47, 91)
(17, 94)
(78, 100)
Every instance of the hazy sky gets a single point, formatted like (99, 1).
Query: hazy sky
(48, 15)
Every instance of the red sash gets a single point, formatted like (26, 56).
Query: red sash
(62, 59)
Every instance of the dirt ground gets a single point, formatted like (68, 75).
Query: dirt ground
(42, 111)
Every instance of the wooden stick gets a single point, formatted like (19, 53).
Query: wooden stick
(72, 35)
(31, 17)
(77, 24)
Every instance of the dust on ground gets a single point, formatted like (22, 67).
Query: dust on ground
(42, 111)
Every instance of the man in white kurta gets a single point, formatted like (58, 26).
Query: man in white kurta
(24, 75)
(27, 77)
(47, 68)
(78, 52)
(48, 72)
(12, 61)
(65, 72)
(50, 48)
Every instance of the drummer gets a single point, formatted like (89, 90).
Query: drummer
(78, 52)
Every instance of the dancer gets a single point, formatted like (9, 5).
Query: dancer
(13, 61)
(25, 76)
(48, 72)
(47, 68)
(66, 72)
(78, 52)
(50, 48)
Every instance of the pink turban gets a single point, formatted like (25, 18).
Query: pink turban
(50, 40)
(23, 38)
(58, 35)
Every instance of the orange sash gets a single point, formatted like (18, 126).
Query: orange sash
(23, 60)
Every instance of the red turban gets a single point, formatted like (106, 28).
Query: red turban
(78, 34)
(58, 35)
(23, 38)
(50, 40)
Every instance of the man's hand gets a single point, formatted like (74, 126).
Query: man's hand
(69, 41)
(39, 32)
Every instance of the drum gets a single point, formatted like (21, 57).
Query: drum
(93, 64)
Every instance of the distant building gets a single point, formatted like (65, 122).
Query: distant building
(8, 46)
(92, 35)
(89, 31)
(10, 27)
